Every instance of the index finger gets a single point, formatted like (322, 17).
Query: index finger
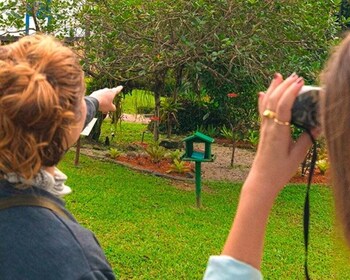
(284, 105)
(117, 89)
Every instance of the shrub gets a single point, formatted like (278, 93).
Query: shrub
(175, 155)
(179, 167)
(209, 130)
(114, 153)
(226, 132)
(253, 137)
(156, 152)
(322, 165)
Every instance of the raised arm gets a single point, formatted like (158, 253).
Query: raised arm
(100, 100)
(276, 160)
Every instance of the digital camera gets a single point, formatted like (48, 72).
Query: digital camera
(305, 110)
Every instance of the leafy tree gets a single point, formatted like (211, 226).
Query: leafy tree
(48, 16)
(238, 44)
(222, 46)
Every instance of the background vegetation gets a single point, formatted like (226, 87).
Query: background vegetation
(194, 52)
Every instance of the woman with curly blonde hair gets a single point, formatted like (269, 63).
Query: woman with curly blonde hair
(42, 112)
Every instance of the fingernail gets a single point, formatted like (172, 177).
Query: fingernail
(260, 94)
(275, 76)
(293, 75)
(299, 80)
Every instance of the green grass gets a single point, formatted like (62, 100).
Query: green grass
(125, 132)
(151, 230)
(138, 98)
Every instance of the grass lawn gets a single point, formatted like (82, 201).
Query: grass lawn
(152, 230)
(125, 132)
(138, 98)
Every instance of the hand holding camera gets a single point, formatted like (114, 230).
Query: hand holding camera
(305, 110)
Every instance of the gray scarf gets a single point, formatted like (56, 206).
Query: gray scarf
(44, 180)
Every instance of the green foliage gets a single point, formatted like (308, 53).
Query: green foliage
(253, 137)
(179, 166)
(190, 116)
(124, 132)
(207, 46)
(227, 133)
(156, 152)
(209, 130)
(175, 155)
(168, 113)
(114, 153)
(138, 100)
(322, 165)
(60, 13)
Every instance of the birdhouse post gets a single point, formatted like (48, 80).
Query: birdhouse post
(203, 154)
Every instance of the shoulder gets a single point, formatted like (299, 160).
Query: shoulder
(37, 241)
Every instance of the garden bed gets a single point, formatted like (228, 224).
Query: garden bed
(219, 170)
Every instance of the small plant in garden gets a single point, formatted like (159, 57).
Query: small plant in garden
(175, 155)
(322, 165)
(168, 110)
(156, 152)
(233, 136)
(226, 132)
(179, 166)
(114, 153)
(209, 130)
(253, 137)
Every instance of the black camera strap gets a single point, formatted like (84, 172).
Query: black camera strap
(307, 204)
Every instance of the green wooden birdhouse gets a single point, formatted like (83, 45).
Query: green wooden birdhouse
(198, 156)
(202, 155)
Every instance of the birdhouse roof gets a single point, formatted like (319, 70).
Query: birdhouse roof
(199, 136)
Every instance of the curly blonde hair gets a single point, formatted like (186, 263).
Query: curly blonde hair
(41, 88)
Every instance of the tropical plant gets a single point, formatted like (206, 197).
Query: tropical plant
(175, 155)
(179, 166)
(210, 130)
(253, 137)
(114, 153)
(168, 113)
(227, 133)
(322, 165)
(155, 151)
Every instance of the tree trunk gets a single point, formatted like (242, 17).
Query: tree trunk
(158, 89)
(168, 127)
(234, 143)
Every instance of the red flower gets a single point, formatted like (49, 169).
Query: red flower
(154, 118)
(232, 95)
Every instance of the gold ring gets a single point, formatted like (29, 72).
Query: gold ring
(269, 114)
(280, 122)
